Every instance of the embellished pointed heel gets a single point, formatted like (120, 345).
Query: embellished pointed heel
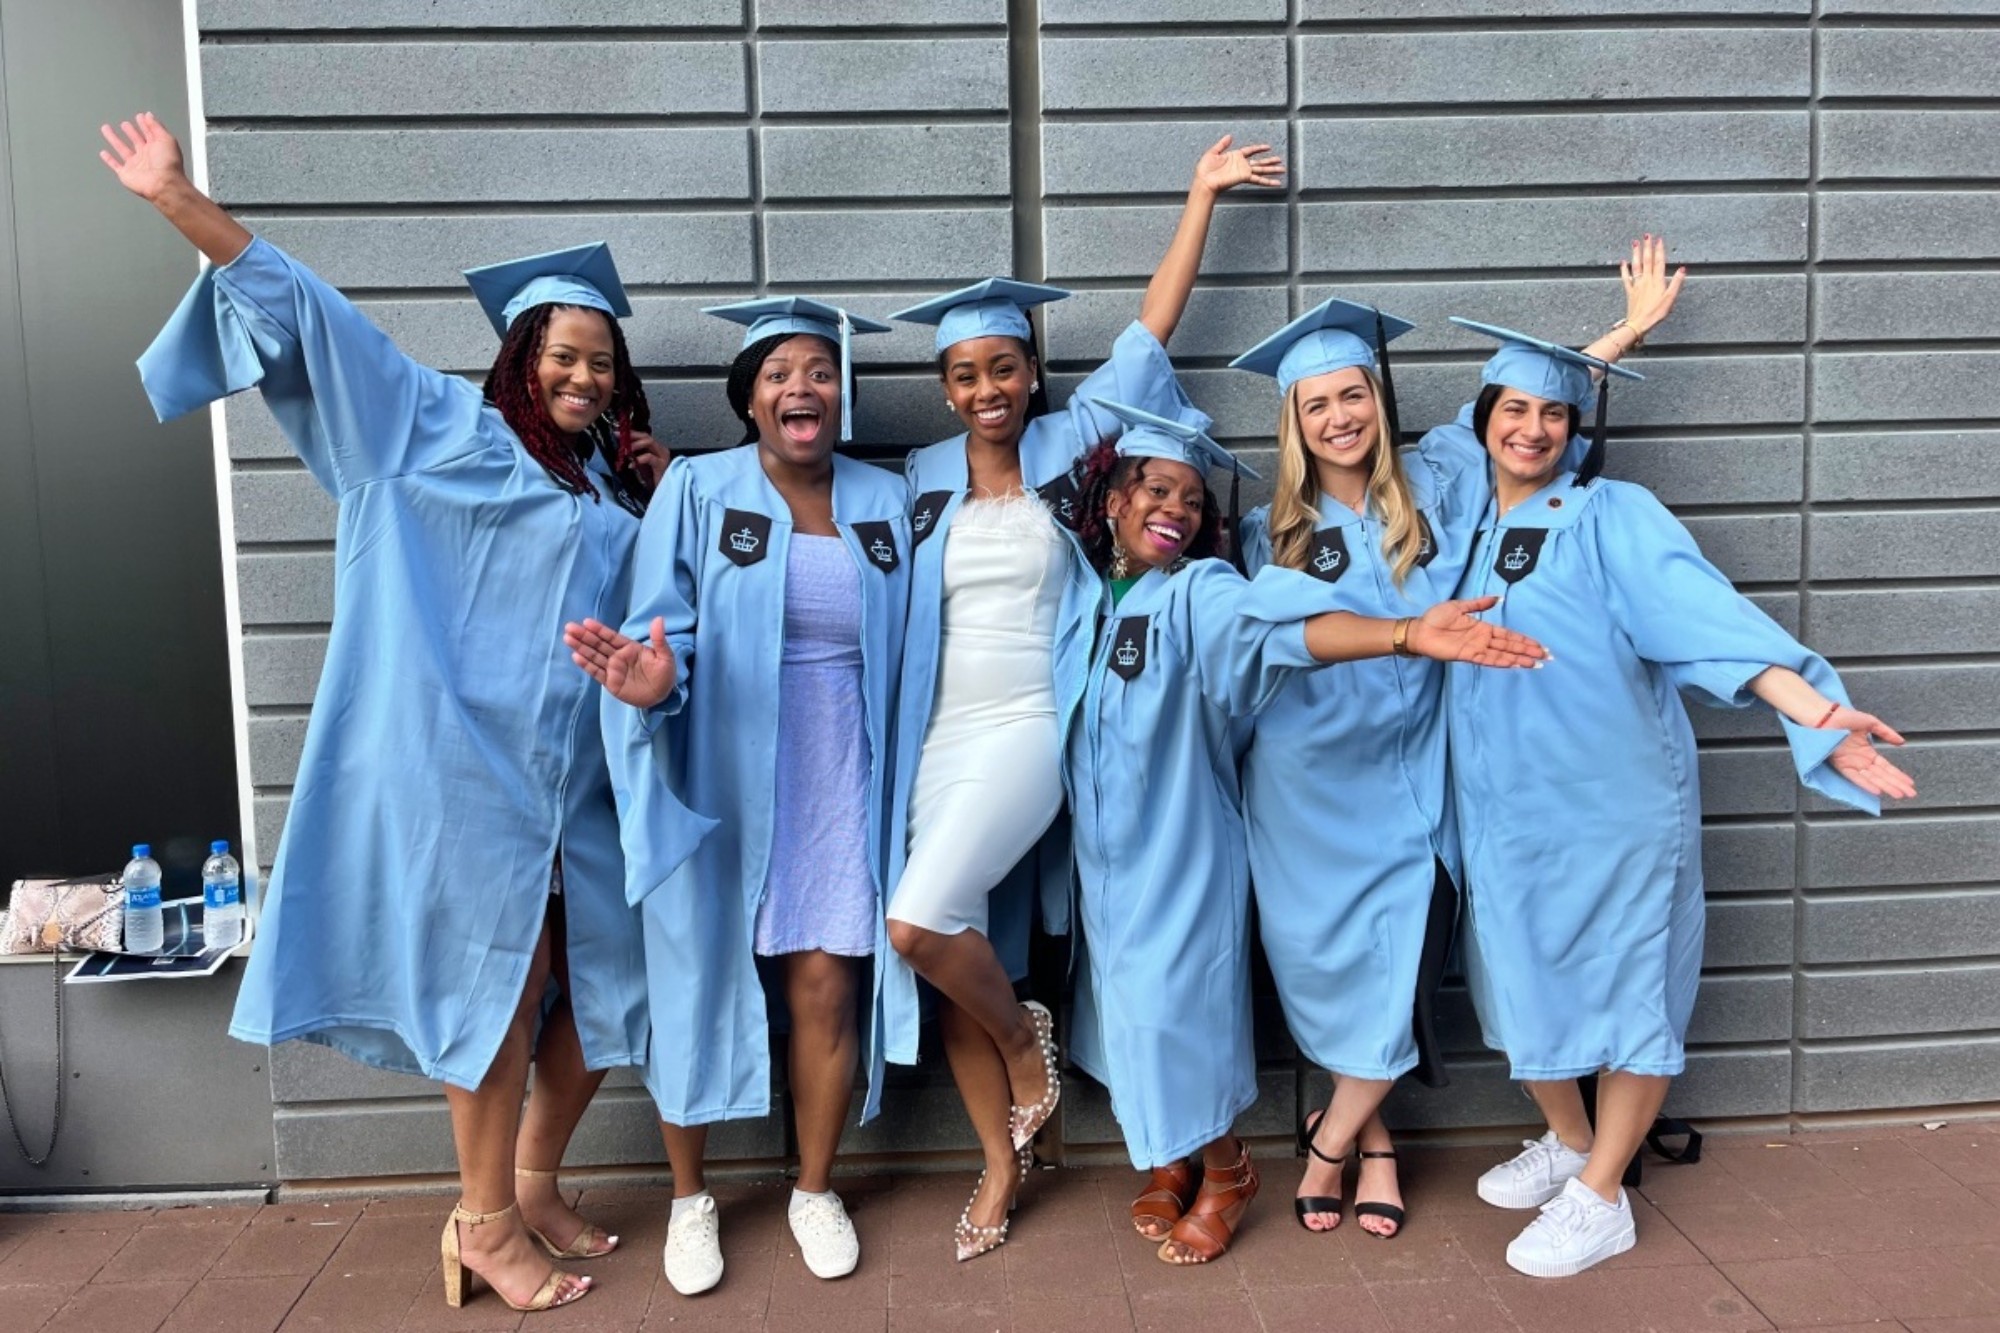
(1025, 1121)
(593, 1242)
(458, 1278)
(972, 1241)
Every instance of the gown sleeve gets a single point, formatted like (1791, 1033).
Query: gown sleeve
(1253, 533)
(666, 572)
(1681, 612)
(1249, 635)
(354, 407)
(1138, 375)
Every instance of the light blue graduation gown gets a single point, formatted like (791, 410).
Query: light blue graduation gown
(1345, 791)
(711, 560)
(1163, 1005)
(1138, 373)
(453, 747)
(1578, 793)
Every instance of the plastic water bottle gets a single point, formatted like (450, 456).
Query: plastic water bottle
(144, 932)
(221, 899)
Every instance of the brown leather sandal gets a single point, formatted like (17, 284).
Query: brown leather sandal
(1168, 1193)
(1206, 1229)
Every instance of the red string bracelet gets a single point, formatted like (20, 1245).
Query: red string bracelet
(1831, 709)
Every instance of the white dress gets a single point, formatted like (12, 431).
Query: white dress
(989, 779)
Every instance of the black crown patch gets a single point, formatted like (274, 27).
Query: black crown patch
(1427, 547)
(1061, 498)
(925, 513)
(745, 536)
(1128, 646)
(1327, 559)
(1520, 550)
(878, 543)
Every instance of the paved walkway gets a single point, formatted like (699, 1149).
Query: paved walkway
(1879, 1229)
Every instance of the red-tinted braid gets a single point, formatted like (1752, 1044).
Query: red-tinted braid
(511, 386)
(1101, 470)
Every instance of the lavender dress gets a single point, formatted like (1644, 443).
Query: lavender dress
(818, 893)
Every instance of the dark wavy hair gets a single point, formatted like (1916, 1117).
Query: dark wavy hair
(742, 382)
(1038, 401)
(1102, 470)
(1489, 398)
(512, 387)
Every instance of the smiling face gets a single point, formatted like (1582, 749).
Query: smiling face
(1340, 421)
(1156, 514)
(576, 368)
(1525, 437)
(988, 382)
(795, 403)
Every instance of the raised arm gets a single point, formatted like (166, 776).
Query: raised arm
(1220, 168)
(147, 161)
(1649, 298)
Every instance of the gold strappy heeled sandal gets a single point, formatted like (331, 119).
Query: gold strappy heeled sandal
(593, 1242)
(457, 1278)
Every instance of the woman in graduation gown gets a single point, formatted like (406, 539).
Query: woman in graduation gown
(452, 775)
(1188, 651)
(996, 584)
(752, 701)
(1578, 792)
(1356, 880)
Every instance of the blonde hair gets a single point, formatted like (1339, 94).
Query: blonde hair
(1295, 496)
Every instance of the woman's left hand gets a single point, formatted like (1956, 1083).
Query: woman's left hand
(1649, 293)
(1857, 759)
(1453, 632)
(649, 457)
(1222, 168)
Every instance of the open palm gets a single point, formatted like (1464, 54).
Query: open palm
(143, 155)
(1857, 759)
(1221, 169)
(1453, 632)
(640, 674)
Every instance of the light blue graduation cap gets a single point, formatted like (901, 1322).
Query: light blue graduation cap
(1561, 374)
(1333, 335)
(581, 275)
(782, 316)
(997, 307)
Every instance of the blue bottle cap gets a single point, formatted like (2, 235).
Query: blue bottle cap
(140, 849)
(219, 847)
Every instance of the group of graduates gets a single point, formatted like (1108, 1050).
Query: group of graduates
(622, 762)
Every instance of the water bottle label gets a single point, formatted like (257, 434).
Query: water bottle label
(219, 895)
(143, 896)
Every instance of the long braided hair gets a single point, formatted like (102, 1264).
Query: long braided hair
(1102, 470)
(512, 386)
(742, 383)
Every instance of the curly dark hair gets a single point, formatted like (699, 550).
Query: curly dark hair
(1038, 401)
(512, 387)
(742, 382)
(1102, 470)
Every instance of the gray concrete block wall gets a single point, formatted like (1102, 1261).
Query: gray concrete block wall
(1822, 409)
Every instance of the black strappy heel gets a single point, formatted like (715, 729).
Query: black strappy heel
(1388, 1211)
(1307, 1204)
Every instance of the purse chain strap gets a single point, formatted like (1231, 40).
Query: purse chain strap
(6, 1103)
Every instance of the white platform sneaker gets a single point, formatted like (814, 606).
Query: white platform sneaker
(1534, 1175)
(693, 1257)
(825, 1235)
(1577, 1230)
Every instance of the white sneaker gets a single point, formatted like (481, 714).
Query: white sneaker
(1577, 1230)
(693, 1257)
(826, 1238)
(1534, 1176)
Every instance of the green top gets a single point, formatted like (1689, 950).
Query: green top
(1119, 587)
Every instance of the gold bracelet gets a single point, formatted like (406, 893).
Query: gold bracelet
(1638, 338)
(1399, 640)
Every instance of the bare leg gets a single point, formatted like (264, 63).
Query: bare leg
(1355, 1106)
(1626, 1107)
(1561, 1103)
(823, 1054)
(981, 1076)
(967, 972)
(483, 1125)
(1221, 1203)
(686, 1145)
(561, 1090)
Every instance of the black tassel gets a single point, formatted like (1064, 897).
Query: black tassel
(1593, 462)
(1235, 543)
(1388, 383)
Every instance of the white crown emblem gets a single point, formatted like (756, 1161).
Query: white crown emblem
(1327, 559)
(882, 551)
(744, 541)
(1516, 558)
(922, 520)
(1128, 653)
(1067, 509)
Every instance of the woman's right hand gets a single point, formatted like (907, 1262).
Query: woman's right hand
(147, 160)
(1649, 293)
(1453, 632)
(640, 674)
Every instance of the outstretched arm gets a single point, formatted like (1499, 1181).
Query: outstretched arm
(1219, 169)
(147, 161)
(1448, 632)
(1856, 758)
(1649, 298)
